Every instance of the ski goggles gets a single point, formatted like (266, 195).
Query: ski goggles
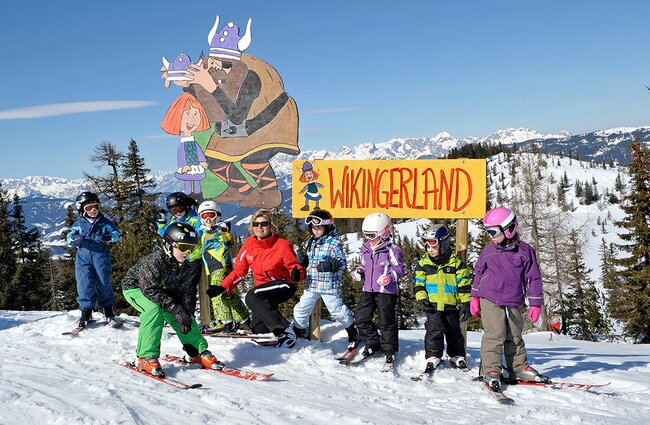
(430, 242)
(312, 220)
(177, 210)
(205, 215)
(371, 236)
(88, 208)
(185, 248)
(261, 223)
(494, 232)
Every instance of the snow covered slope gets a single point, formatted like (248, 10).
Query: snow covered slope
(48, 378)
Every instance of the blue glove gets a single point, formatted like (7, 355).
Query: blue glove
(76, 240)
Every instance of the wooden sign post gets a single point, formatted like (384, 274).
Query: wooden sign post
(461, 251)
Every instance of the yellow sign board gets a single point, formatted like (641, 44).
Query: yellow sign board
(440, 188)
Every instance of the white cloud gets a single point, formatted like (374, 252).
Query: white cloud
(54, 109)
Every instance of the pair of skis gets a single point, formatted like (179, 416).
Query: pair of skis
(347, 359)
(78, 329)
(229, 371)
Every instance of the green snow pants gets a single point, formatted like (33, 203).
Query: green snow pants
(152, 320)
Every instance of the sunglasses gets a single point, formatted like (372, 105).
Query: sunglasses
(430, 242)
(90, 207)
(208, 214)
(261, 223)
(494, 232)
(177, 210)
(185, 248)
(312, 220)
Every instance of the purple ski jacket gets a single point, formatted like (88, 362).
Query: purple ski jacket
(506, 274)
(386, 258)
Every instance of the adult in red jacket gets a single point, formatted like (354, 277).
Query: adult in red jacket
(276, 273)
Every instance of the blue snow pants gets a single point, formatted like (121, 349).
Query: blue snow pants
(93, 270)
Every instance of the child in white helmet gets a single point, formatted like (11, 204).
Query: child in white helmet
(229, 312)
(380, 269)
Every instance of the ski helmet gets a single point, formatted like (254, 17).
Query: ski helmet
(182, 236)
(84, 199)
(320, 218)
(504, 218)
(209, 206)
(177, 199)
(376, 225)
(439, 234)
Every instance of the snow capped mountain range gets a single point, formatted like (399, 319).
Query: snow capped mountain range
(45, 198)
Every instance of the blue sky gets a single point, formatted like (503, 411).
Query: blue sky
(77, 73)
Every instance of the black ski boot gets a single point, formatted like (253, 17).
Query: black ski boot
(86, 318)
(353, 336)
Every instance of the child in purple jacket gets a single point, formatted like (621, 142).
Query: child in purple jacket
(380, 269)
(505, 273)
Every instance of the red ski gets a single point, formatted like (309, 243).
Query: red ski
(237, 373)
(169, 381)
(559, 385)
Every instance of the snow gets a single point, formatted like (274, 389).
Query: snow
(48, 378)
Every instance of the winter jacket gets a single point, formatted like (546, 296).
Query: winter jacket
(192, 219)
(163, 280)
(270, 259)
(216, 254)
(326, 248)
(93, 234)
(506, 274)
(445, 285)
(385, 258)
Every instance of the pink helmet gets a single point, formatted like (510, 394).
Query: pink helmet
(504, 218)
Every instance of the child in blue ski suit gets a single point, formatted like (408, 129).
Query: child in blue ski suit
(90, 234)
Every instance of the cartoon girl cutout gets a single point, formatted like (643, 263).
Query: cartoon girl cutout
(309, 176)
(185, 116)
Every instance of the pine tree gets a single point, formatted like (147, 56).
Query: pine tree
(136, 221)
(634, 288)
(586, 318)
(110, 186)
(7, 256)
(63, 288)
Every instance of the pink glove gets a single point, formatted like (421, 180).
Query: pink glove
(475, 306)
(383, 280)
(534, 312)
(356, 276)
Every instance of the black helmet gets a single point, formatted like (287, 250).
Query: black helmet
(320, 218)
(181, 235)
(177, 199)
(84, 199)
(438, 234)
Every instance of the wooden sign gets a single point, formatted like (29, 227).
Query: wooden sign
(441, 188)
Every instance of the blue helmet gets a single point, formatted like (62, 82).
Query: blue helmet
(437, 234)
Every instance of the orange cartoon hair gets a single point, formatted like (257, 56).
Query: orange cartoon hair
(171, 123)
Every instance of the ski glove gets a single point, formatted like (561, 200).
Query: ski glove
(475, 306)
(76, 240)
(223, 226)
(356, 276)
(106, 237)
(162, 217)
(328, 266)
(534, 312)
(295, 274)
(427, 306)
(215, 290)
(303, 260)
(383, 280)
(183, 318)
(464, 312)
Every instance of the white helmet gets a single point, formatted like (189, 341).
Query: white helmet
(209, 206)
(376, 225)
